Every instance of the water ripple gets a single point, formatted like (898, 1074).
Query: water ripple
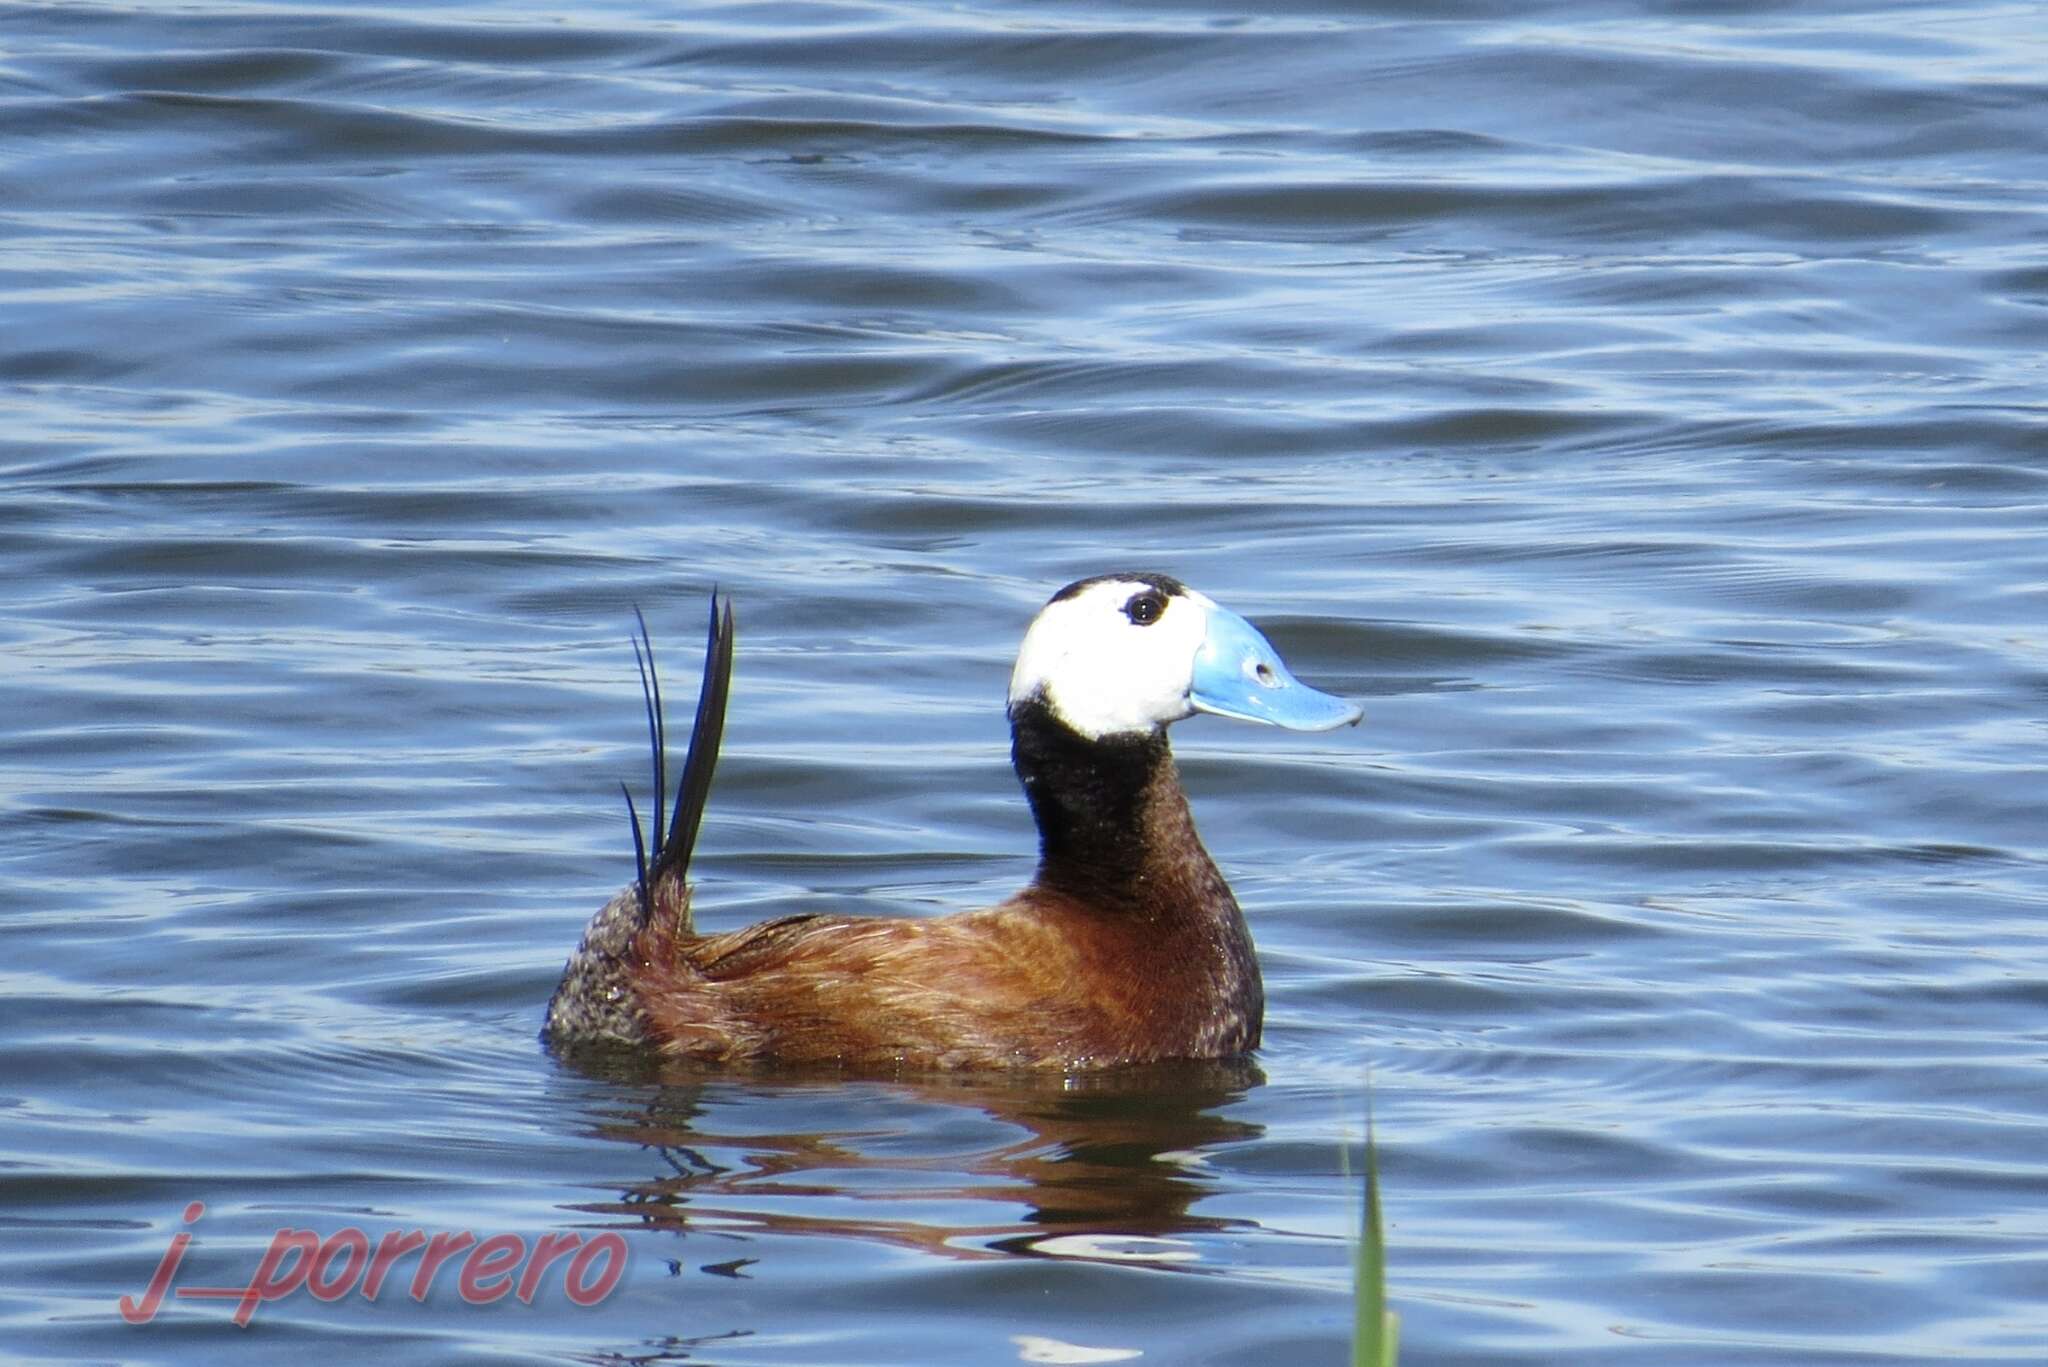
(1639, 412)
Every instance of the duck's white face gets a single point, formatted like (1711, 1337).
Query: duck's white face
(1112, 656)
(1123, 655)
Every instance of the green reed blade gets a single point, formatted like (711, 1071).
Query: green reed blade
(1376, 1330)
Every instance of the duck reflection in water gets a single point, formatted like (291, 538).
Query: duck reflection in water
(1105, 1166)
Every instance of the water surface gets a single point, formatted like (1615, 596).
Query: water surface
(1639, 411)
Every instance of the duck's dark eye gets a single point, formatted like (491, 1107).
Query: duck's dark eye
(1144, 608)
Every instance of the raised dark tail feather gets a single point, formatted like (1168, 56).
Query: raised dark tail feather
(672, 848)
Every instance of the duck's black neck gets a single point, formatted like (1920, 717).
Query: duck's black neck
(1111, 814)
(1118, 849)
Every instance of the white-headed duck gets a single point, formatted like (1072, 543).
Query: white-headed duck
(1126, 947)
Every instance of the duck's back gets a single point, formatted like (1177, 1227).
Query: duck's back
(1039, 981)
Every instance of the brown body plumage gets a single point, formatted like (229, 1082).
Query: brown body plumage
(1126, 947)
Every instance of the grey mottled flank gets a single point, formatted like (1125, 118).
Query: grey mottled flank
(593, 1004)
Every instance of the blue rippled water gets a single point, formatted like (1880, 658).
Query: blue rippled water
(1638, 408)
